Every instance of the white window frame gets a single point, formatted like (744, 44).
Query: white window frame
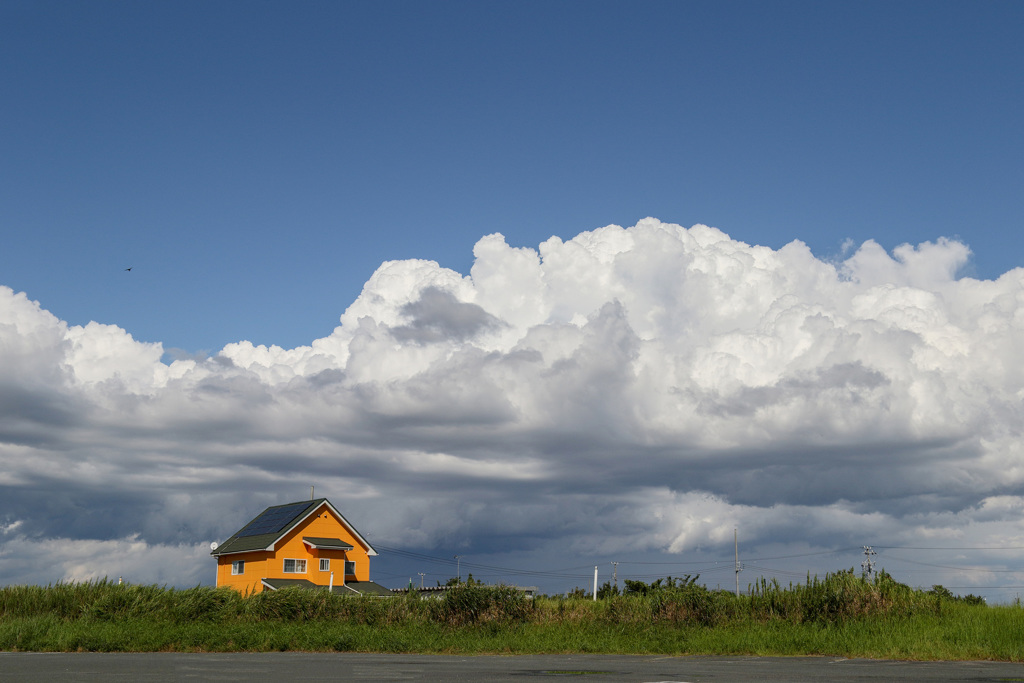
(237, 567)
(298, 566)
(350, 568)
(325, 564)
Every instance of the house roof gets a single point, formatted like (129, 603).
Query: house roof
(367, 588)
(348, 588)
(326, 543)
(271, 525)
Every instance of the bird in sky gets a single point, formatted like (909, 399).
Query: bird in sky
(128, 268)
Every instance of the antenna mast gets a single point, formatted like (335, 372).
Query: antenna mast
(868, 565)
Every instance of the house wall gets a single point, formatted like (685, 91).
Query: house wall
(248, 582)
(270, 565)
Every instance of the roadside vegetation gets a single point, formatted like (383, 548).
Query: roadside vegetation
(840, 615)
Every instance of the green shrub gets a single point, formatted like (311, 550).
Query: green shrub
(473, 604)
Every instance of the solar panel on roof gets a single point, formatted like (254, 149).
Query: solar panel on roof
(273, 520)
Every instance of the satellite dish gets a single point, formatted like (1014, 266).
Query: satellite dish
(213, 546)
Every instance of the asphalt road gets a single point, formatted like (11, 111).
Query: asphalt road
(277, 667)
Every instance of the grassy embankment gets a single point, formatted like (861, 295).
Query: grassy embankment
(841, 615)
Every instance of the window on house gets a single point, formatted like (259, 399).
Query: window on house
(350, 567)
(325, 565)
(237, 567)
(294, 566)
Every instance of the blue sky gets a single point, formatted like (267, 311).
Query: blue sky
(255, 162)
(330, 178)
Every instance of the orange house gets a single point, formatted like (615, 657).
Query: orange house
(307, 545)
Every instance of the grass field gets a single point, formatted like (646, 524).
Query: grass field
(840, 615)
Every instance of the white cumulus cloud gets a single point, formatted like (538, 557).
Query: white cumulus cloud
(670, 383)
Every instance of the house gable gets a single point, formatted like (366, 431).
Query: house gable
(267, 529)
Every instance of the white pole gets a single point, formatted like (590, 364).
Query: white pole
(736, 540)
(331, 587)
(595, 584)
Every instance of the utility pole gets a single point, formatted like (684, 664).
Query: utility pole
(458, 567)
(595, 583)
(739, 567)
(868, 565)
(615, 576)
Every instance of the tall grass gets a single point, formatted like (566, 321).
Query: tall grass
(841, 614)
(839, 597)
(108, 601)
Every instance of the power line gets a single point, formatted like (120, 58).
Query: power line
(550, 573)
(822, 552)
(910, 547)
(958, 568)
(754, 559)
(780, 572)
(705, 568)
(441, 560)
